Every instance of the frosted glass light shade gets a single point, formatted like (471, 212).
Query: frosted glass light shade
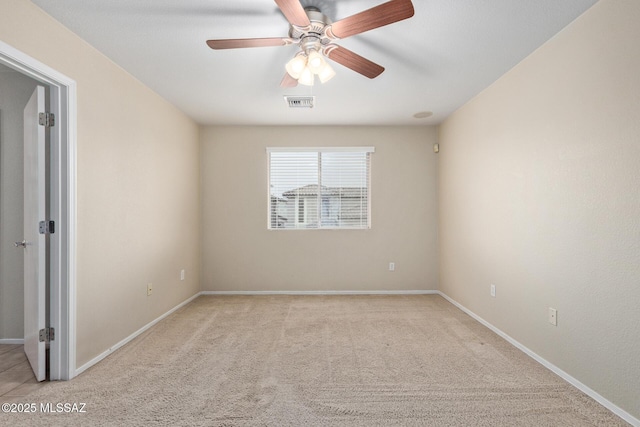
(306, 77)
(315, 62)
(326, 73)
(296, 66)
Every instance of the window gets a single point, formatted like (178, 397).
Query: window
(319, 187)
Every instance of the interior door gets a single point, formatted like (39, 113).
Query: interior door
(34, 242)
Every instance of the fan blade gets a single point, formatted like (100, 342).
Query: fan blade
(294, 12)
(354, 61)
(241, 43)
(288, 81)
(379, 16)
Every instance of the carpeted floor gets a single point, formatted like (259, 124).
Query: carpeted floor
(318, 360)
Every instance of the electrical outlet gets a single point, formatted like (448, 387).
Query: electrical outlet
(149, 289)
(553, 316)
(392, 266)
(182, 274)
(493, 290)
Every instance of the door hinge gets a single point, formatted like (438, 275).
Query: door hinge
(47, 227)
(47, 334)
(46, 119)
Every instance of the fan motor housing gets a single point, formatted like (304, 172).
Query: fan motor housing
(311, 37)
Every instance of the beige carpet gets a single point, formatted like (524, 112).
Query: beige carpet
(318, 360)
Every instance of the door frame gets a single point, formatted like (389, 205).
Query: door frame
(62, 191)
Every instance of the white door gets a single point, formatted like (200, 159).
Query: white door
(34, 243)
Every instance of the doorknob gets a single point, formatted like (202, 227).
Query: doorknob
(23, 244)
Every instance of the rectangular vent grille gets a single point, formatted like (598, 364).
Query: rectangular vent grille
(300, 101)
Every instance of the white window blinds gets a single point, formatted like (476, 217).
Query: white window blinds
(319, 187)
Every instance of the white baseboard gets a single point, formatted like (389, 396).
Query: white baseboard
(104, 354)
(12, 341)
(553, 368)
(406, 292)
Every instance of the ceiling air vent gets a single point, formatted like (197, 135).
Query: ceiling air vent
(300, 101)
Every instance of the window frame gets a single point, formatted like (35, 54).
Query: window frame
(369, 150)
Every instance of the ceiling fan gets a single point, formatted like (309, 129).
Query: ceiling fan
(316, 36)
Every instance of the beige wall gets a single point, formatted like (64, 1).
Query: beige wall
(539, 194)
(15, 90)
(138, 185)
(240, 254)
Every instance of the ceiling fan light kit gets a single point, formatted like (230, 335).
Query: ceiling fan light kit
(315, 34)
(304, 68)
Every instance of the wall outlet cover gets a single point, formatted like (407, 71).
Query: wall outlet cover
(553, 316)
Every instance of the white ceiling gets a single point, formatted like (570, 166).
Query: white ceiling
(436, 61)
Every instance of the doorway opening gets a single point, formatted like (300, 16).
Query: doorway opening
(60, 184)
